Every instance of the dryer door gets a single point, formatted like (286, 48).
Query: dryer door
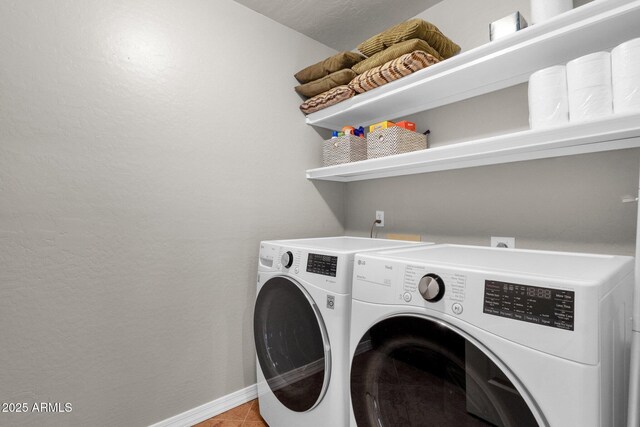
(291, 344)
(414, 371)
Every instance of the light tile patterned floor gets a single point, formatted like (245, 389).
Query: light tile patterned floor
(246, 415)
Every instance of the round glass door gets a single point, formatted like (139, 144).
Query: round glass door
(411, 371)
(291, 344)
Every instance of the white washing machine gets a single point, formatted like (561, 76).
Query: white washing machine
(301, 328)
(452, 335)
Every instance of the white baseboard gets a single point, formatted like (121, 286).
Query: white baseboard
(211, 409)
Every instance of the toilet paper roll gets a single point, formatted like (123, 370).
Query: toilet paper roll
(543, 10)
(589, 87)
(590, 103)
(589, 70)
(548, 100)
(625, 77)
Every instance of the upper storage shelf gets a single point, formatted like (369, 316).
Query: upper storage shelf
(599, 25)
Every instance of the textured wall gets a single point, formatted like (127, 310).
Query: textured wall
(467, 23)
(567, 203)
(146, 147)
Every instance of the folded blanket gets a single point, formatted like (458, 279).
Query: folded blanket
(316, 87)
(330, 65)
(393, 52)
(326, 99)
(392, 70)
(411, 29)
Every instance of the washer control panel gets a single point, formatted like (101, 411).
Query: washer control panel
(533, 304)
(326, 265)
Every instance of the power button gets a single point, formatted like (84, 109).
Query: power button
(406, 296)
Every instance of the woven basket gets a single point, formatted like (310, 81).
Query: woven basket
(344, 149)
(394, 140)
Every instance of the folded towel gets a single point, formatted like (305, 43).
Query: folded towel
(316, 87)
(411, 29)
(392, 70)
(393, 52)
(327, 66)
(326, 99)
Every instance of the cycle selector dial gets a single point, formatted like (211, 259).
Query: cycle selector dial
(287, 259)
(431, 287)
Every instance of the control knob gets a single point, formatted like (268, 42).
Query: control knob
(287, 259)
(431, 287)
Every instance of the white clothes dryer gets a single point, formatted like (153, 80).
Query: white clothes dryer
(452, 335)
(301, 328)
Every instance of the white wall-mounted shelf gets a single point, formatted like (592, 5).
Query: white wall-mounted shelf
(612, 133)
(599, 25)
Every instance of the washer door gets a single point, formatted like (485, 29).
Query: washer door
(291, 344)
(413, 371)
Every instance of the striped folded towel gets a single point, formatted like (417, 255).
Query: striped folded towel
(393, 52)
(392, 70)
(326, 99)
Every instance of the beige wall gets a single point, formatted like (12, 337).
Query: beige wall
(568, 203)
(146, 147)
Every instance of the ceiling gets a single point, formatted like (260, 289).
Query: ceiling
(340, 24)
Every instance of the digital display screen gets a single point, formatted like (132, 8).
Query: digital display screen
(322, 264)
(533, 304)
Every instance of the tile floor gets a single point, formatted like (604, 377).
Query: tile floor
(246, 415)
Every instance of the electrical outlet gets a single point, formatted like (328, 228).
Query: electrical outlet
(503, 242)
(380, 216)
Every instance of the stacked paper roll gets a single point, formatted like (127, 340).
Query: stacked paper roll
(589, 86)
(625, 72)
(543, 10)
(548, 102)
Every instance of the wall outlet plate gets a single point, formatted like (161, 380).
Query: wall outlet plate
(380, 216)
(501, 242)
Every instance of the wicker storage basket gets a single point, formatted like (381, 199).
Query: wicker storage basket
(344, 149)
(394, 140)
